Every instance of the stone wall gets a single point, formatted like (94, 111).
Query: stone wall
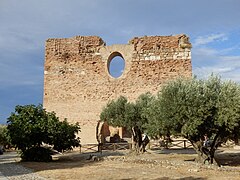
(77, 83)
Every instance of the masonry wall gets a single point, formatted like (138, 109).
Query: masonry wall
(77, 84)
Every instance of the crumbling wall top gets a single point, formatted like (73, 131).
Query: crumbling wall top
(161, 42)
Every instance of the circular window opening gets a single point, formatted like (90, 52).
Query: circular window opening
(116, 64)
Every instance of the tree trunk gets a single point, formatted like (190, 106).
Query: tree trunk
(205, 155)
(236, 141)
(137, 140)
(139, 143)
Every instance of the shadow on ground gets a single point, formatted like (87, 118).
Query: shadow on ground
(71, 160)
(185, 178)
(174, 151)
(10, 164)
(228, 158)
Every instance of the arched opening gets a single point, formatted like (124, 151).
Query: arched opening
(106, 133)
(116, 64)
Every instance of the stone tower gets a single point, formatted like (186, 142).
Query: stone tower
(77, 83)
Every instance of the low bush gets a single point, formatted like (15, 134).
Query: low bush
(38, 154)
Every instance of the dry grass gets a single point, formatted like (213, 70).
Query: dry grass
(168, 164)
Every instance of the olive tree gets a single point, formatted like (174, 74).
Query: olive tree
(30, 126)
(122, 113)
(196, 108)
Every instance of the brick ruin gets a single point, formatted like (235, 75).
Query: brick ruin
(77, 83)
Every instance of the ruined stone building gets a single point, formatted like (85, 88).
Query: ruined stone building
(77, 83)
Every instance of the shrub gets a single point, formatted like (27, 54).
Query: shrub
(38, 154)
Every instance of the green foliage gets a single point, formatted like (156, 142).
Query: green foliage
(64, 136)
(4, 138)
(194, 107)
(115, 112)
(26, 126)
(154, 128)
(31, 126)
(127, 114)
(142, 106)
(130, 115)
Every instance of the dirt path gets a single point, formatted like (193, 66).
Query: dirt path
(11, 170)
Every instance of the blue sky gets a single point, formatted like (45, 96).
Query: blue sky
(213, 27)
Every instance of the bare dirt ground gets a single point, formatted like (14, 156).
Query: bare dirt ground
(157, 164)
